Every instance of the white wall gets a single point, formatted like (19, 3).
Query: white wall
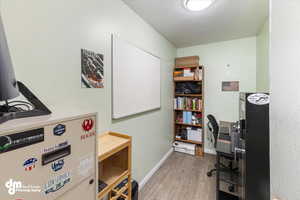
(241, 56)
(262, 59)
(285, 98)
(45, 38)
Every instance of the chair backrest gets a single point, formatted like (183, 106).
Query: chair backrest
(213, 127)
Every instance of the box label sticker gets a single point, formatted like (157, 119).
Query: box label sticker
(56, 147)
(20, 140)
(88, 124)
(57, 183)
(59, 130)
(57, 165)
(259, 99)
(86, 164)
(30, 164)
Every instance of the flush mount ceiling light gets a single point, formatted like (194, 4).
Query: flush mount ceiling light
(197, 5)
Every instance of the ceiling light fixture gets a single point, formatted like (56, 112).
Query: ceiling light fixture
(197, 5)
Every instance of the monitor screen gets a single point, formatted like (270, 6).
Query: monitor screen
(8, 83)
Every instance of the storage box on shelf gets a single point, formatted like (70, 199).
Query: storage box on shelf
(188, 102)
(114, 165)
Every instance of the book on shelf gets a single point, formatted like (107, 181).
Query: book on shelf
(187, 103)
(188, 73)
(194, 134)
(185, 72)
(188, 117)
(189, 133)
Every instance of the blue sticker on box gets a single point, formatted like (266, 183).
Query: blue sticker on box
(30, 164)
(59, 130)
(57, 183)
(58, 165)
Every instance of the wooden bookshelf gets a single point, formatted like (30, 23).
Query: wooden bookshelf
(191, 63)
(114, 165)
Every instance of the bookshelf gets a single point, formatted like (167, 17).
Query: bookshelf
(189, 104)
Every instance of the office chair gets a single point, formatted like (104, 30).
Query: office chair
(214, 129)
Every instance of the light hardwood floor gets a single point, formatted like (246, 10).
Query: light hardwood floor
(182, 177)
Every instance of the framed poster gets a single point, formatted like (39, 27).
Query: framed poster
(92, 69)
(230, 86)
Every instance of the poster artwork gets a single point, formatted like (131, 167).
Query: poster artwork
(92, 69)
(230, 86)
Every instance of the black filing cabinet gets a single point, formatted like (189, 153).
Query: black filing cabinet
(254, 131)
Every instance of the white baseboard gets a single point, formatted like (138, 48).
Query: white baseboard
(210, 151)
(156, 167)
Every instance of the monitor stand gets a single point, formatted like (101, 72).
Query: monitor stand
(6, 113)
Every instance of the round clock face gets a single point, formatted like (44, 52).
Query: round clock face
(259, 99)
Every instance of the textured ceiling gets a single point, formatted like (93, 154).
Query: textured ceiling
(224, 20)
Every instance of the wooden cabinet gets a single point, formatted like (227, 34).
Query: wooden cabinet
(114, 165)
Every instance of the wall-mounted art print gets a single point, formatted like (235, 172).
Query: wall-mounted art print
(92, 69)
(230, 86)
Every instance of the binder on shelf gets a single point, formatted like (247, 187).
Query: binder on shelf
(189, 118)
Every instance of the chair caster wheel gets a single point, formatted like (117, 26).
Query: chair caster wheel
(209, 174)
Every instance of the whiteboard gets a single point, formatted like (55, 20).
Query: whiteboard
(135, 80)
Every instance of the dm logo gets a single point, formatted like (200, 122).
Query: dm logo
(30, 164)
(58, 165)
(59, 130)
(13, 186)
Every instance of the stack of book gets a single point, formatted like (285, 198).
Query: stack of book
(188, 73)
(186, 103)
(194, 134)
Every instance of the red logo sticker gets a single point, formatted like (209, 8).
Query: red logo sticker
(88, 124)
(88, 135)
(30, 164)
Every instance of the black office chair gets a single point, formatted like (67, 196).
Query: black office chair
(214, 129)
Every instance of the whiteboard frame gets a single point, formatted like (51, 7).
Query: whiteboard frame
(114, 117)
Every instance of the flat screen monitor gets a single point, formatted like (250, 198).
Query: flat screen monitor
(8, 83)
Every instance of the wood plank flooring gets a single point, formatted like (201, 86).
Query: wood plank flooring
(182, 177)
